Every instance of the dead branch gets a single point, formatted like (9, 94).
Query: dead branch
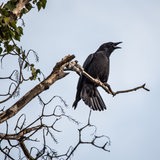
(26, 133)
(25, 150)
(143, 86)
(106, 143)
(74, 66)
(57, 73)
(20, 134)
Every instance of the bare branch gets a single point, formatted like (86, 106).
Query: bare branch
(6, 153)
(128, 90)
(20, 134)
(92, 142)
(25, 150)
(56, 74)
(25, 134)
(74, 66)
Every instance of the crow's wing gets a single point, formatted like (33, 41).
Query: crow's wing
(81, 79)
(85, 66)
(88, 61)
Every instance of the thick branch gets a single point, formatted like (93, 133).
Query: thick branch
(56, 74)
(20, 134)
(20, 5)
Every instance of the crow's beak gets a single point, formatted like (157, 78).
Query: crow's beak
(115, 45)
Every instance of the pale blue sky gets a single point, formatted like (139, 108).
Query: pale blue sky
(79, 27)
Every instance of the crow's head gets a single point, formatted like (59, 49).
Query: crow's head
(109, 47)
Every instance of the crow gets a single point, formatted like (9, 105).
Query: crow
(96, 65)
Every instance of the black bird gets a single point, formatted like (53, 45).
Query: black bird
(96, 65)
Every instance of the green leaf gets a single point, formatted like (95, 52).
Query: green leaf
(9, 48)
(34, 72)
(7, 20)
(41, 4)
(17, 37)
(32, 65)
(29, 6)
(13, 24)
(23, 11)
(44, 2)
(31, 78)
(26, 65)
(19, 30)
(1, 50)
(18, 49)
(5, 12)
(34, 1)
(38, 71)
(10, 5)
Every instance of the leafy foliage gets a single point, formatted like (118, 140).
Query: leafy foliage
(11, 31)
(40, 4)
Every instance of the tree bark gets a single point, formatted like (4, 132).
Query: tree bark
(57, 73)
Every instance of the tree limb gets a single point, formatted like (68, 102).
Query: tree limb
(74, 66)
(25, 150)
(143, 86)
(57, 73)
(20, 5)
(20, 134)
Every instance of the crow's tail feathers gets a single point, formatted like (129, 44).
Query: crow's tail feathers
(75, 104)
(92, 98)
(76, 100)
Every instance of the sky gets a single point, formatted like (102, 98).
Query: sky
(80, 27)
